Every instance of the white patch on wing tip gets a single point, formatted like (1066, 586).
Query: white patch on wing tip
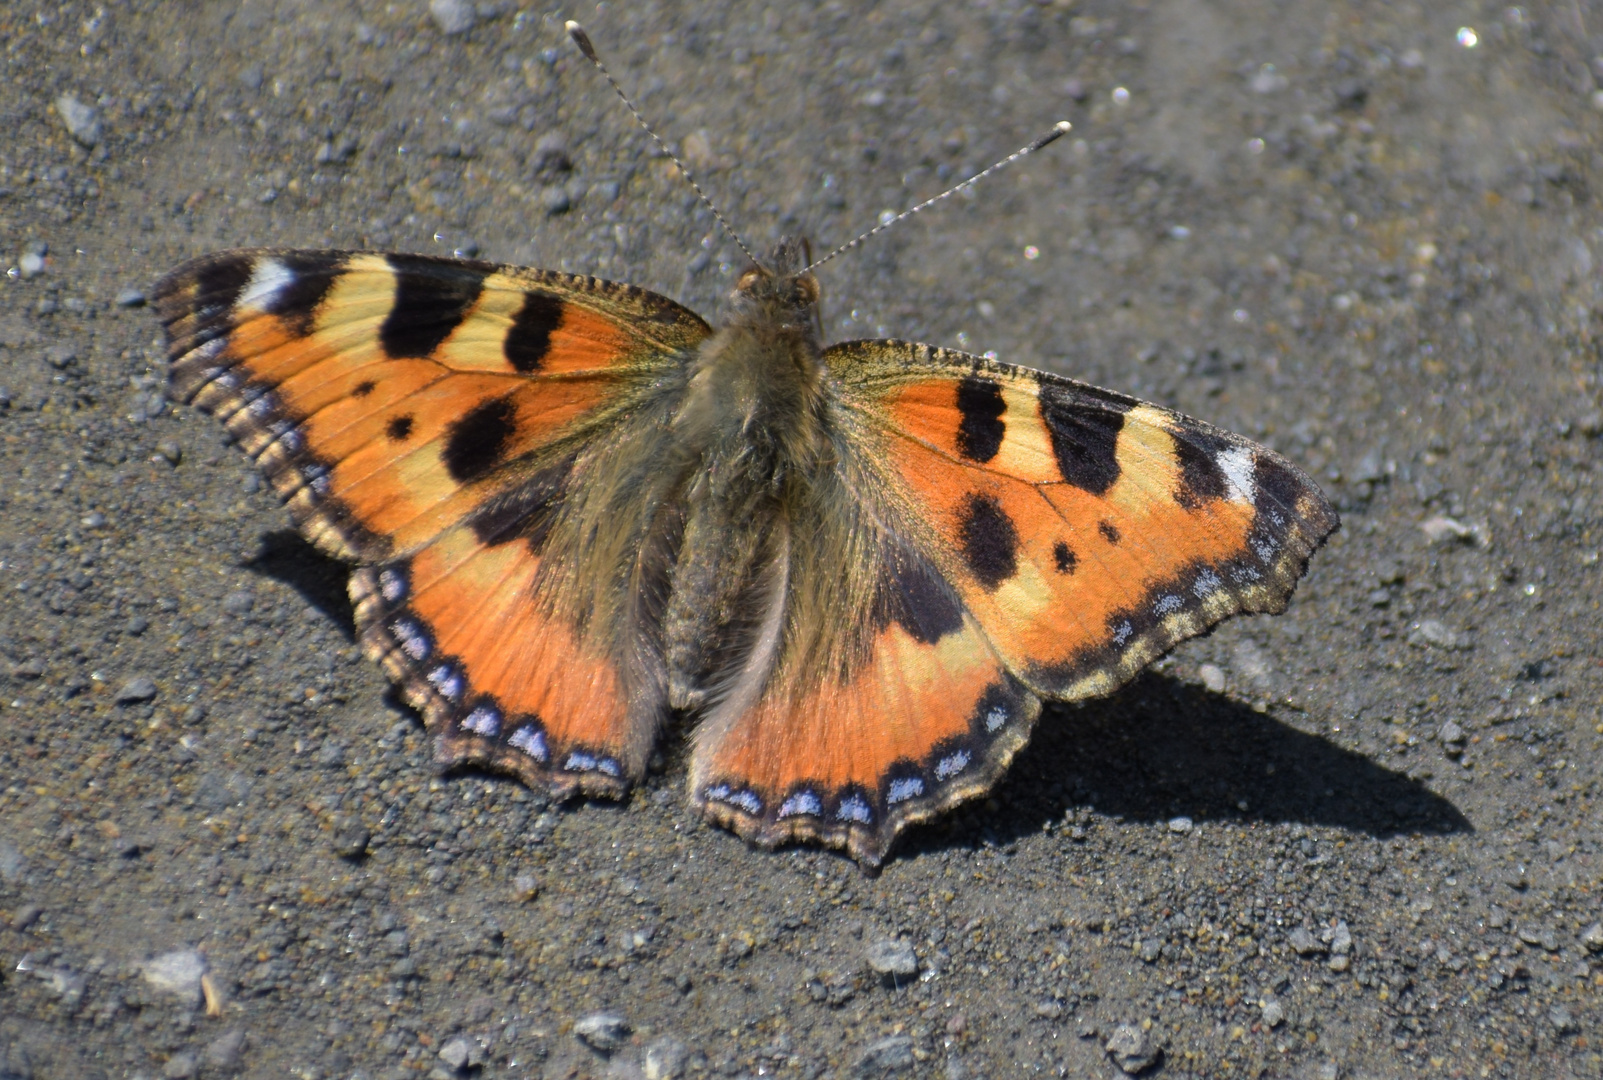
(1207, 584)
(1238, 463)
(531, 741)
(995, 718)
(855, 808)
(268, 278)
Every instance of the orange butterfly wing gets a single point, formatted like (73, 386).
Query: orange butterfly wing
(425, 417)
(1060, 538)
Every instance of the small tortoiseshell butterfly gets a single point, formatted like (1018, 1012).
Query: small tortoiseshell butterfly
(576, 508)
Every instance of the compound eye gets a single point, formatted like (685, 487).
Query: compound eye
(807, 290)
(751, 279)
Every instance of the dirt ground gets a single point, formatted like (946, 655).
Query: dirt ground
(1361, 839)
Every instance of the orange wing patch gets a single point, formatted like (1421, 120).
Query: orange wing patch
(500, 680)
(384, 394)
(928, 718)
(1087, 532)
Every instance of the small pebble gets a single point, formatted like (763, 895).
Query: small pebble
(31, 264)
(1151, 949)
(1562, 1020)
(137, 689)
(1304, 943)
(1213, 677)
(525, 887)
(460, 1053)
(83, 122)
(1049, 1008)
(601, 1031)
(453, 16)
(351, 840)
(222, 1053)
(26, 916)
(130, 298)
(61, 357)
(136, 625)
(177, 973)
(1180, 825)
(1592, 937)
(893, 958)
(665, 1058)
(1130, 1048)
(890, 1054)
(239, 603)
(180, 1066)
(1274, 1013)
(95, 520)
(554, 199)
(1341, 939)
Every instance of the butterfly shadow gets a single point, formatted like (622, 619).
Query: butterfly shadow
(284, 555)
(1164, 749)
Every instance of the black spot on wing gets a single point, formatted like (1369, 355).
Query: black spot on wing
(990, 541)
(432, 297)
(980, 406)
(1109, 531)
(398, 428)
(218, 285)
(310, 278)
(475, 441)
(1085, 436)
(530, 337)
(527, 512)
(362, 389)
(912, 593)
(1278, 489)
(1201, 478)
(1063, 557)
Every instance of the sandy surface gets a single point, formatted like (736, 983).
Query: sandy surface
(1358, 840)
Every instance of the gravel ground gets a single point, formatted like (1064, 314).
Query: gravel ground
(1358, 840)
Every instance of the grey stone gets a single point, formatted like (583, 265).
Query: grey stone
(606, 1032)
(1437, 635)
(1561, 1019)
(61, 357)
(83, 122)
(890, 1054)
(453, 16)
(893, 958)
(1131, 1049)
(1304, 943)
(665, 1058)
(351, 839)
(1213, 677)
(239, 602)
(525, 887)
(1049, 1009)
(1181, 825)
(11, 863)
(1341, 939)
(181, 1066)
(222, 1054)
(1151, 949)
(135, 690)
(1591, 937)
(1274, 1014)
(461, 1053)
(26, 916)
(176, 973)
(31, 264)
(554, 199)
(130, 298)
(1452, 738)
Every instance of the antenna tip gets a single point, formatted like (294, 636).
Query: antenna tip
(581, 39)
(1062, 126)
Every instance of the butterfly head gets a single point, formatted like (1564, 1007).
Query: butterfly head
(781, 294)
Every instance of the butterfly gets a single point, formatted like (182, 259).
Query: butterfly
(578, 510)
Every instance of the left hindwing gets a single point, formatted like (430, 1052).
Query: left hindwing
(1086, 531)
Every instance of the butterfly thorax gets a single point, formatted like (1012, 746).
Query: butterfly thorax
(755, 420)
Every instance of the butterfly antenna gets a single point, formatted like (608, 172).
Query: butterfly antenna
(1058, 131)
(582, 39)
